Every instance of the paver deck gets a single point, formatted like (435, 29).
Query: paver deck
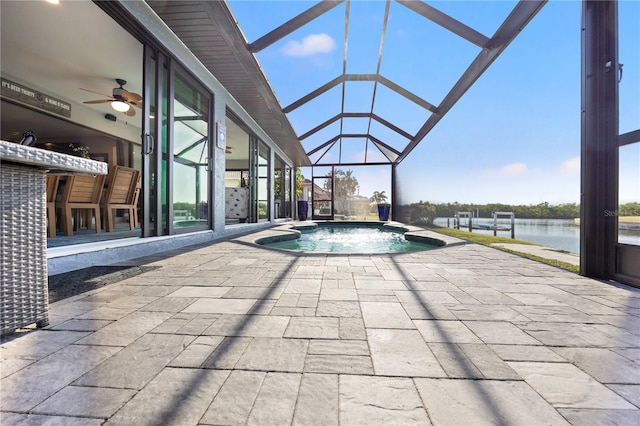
(232, 333)
(543, 252)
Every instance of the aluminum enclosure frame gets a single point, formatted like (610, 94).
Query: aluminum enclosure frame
(599, 148)
(601, 256)
(492, 47)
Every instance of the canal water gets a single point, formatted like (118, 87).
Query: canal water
(561, 234)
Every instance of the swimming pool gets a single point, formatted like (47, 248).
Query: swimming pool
(350, 238)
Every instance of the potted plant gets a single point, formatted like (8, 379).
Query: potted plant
(379, 198)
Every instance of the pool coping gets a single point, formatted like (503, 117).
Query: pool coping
(291, 231)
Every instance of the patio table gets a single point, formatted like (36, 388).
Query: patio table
(23, 229)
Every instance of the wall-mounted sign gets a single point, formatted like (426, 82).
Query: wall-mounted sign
(222, 135)
(20, 93)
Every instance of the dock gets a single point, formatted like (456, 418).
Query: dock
(495, 227)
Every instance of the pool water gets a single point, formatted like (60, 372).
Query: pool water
(351, 239)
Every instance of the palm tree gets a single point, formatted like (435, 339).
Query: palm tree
(378, 197)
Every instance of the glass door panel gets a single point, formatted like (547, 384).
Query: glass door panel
(154, 145)
(263, 182)
(238, 184)
(190, 156)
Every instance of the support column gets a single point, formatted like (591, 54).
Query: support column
(599, 147)
(395, 199)
(217, 195)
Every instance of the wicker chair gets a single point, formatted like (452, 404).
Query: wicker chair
(81, 193)
(52, 192)
(120, 195)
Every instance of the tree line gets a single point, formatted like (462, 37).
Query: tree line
(533, 211)
(429, 211)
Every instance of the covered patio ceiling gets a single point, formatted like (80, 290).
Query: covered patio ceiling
(215, 35)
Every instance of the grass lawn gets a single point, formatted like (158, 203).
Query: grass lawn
(629, 219)
(488, 240)
(483, 239)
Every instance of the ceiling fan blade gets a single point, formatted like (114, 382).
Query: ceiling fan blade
(136, 104)
(131, 97)
(99, 101)
(93, 91)
(130, 112)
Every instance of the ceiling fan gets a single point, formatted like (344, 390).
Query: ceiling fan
(227, 149)
(121, 99)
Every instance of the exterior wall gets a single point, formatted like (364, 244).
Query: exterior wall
(219, 114)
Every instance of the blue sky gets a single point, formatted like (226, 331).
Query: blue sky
(513, 138)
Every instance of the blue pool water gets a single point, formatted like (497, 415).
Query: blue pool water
(351, 239)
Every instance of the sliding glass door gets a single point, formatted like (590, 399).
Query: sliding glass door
(154, 144)
(176, 149)
(191, 134)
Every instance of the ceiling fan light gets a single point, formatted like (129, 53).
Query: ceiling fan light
(120, 106)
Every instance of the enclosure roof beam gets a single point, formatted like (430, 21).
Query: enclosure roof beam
(326, 87)
(354, 135)
(327, 150)
(356, 115)
(407, 94)
(629, 138)
(330, 141)
(384, 145)
(376, 163)
(363, 135)
(360, 77)
(375, 142)
(314, 94)
(292, 25)
(321, 126)
(393, 127)
(445, 21)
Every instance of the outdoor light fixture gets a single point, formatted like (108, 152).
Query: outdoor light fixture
(120, 106)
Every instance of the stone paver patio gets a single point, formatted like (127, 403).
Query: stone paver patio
(231, 333)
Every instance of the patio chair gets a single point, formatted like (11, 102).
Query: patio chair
(81, 193)
(136, 198)
(120, 195)
(52, 192)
